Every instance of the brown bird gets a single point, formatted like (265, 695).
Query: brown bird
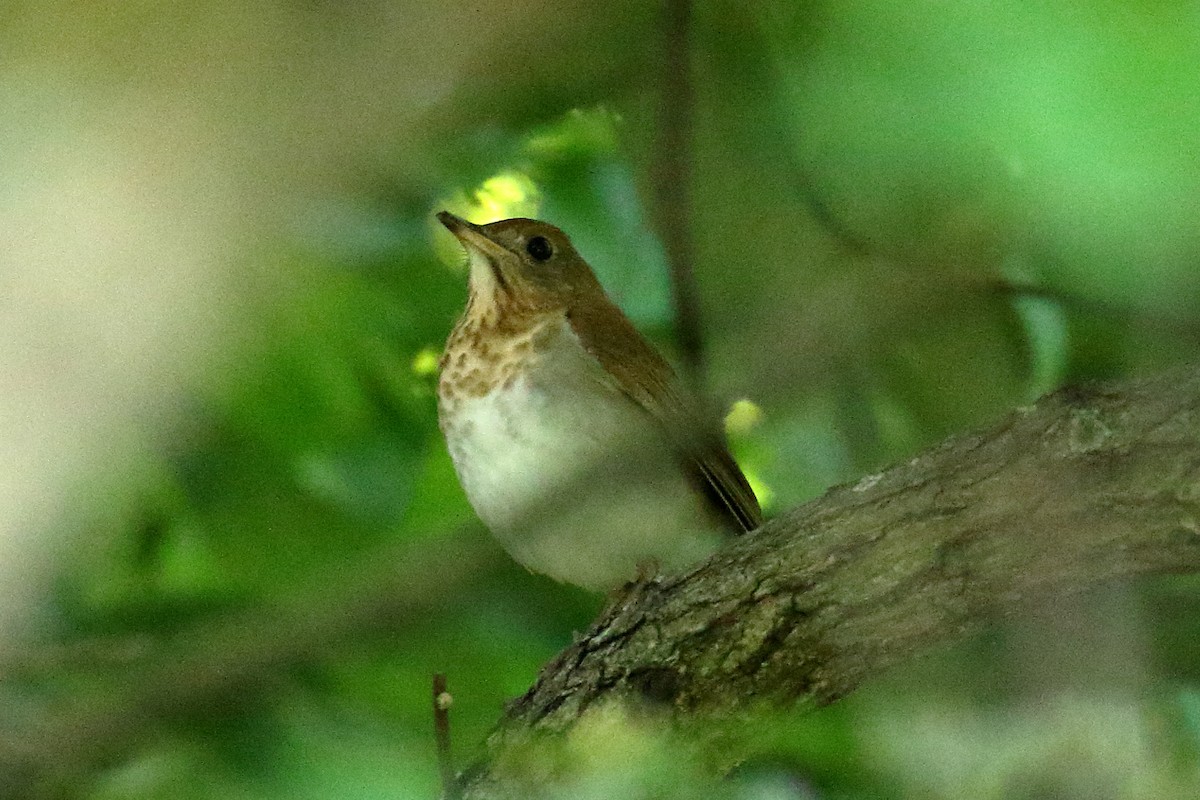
(574, 440)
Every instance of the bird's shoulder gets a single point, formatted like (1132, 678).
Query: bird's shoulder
(644, 376)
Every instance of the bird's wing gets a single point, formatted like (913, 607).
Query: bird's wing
(649, 381)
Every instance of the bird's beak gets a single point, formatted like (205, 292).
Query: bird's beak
(473, 237)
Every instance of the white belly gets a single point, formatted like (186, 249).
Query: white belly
(573, 478)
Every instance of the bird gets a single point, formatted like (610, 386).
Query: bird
(574, 440)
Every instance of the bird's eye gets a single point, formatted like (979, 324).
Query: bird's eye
(539, 248)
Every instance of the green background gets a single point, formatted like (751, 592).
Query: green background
(238, 550)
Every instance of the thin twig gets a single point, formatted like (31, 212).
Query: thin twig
(671, 190)
(441, 729)
(825, 217)
(1098, 306)
(234, 656)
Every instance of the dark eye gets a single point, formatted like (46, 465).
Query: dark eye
(539, 247)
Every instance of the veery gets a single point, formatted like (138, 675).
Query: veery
(573, 438)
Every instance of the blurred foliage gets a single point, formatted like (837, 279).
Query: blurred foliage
(909, 218)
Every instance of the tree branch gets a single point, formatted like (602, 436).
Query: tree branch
(1085, 487)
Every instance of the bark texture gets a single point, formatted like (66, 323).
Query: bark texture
(1085, 487)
